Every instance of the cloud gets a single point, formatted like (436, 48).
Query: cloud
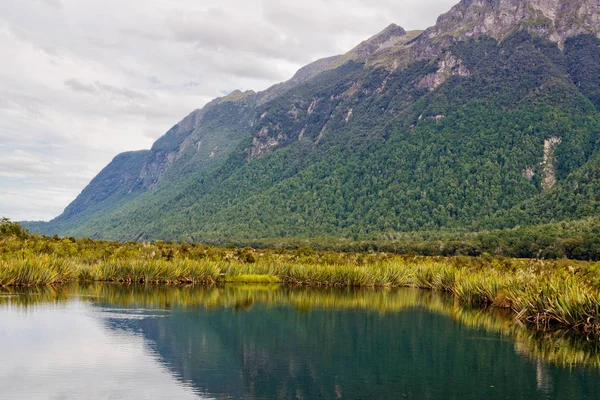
(77, 86)
(225, 33)
(82, 82)
(121, 91)
(53, 3)
(21, 163)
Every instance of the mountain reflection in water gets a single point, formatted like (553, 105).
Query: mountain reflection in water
(267, 342)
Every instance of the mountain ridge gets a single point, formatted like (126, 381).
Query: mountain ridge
(407, 131)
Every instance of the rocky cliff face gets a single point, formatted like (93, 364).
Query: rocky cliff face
(556, 20)
(184, 140)
(165, 150)
(390, 36)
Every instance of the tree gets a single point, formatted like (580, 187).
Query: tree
(9, 228)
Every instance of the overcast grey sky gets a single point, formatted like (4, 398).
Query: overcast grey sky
(83, 80)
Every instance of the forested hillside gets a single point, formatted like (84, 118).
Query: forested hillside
(477, 128)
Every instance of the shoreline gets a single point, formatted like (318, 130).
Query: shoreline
(538, 295)
(549, 294)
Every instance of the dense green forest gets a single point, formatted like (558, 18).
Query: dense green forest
(467, 156)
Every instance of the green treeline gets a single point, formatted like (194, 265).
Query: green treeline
(576, 240)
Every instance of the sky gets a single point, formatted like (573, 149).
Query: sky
(84, 80)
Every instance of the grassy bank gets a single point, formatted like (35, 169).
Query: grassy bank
(547, 294)
(537, 292)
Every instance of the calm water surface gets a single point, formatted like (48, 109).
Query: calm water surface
(269, 342)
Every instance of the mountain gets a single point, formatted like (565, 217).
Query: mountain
(489, 119)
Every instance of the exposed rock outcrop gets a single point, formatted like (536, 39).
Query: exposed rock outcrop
(448, 66)
(556, 20)
(548, 168)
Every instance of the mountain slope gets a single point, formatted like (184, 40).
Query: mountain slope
(488, 119)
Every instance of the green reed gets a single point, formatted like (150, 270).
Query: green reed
(545, 294)
(34, 271)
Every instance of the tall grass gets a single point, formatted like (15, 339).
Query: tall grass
(34, 271)
(152, 271)
(536, 292)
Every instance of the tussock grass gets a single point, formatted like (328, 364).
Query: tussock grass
(152, 271)
(546, 295)
(34, 271)
(252, 279)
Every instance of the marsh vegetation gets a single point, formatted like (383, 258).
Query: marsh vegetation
(547, 294)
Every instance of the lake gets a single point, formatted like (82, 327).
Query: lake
(276, 342)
